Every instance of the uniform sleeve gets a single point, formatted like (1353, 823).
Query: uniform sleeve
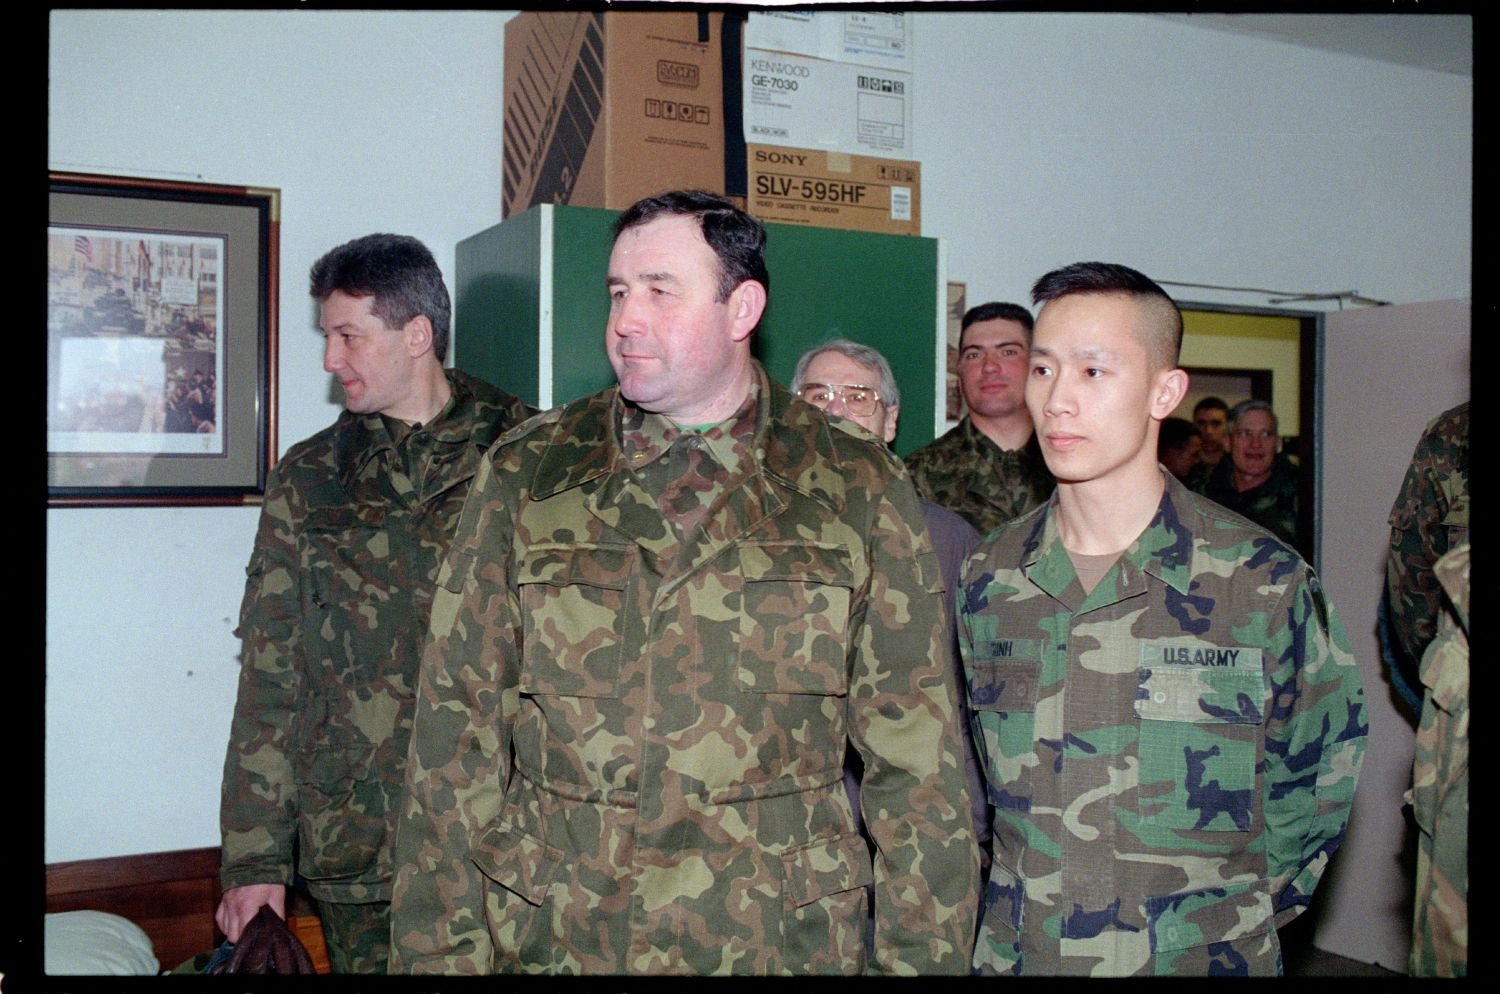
(1315, 743)
(903, 720)
(1413, 596)
(459, 760)
(257, 809)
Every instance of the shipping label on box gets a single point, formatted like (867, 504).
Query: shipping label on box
(865, 37)
(834, 190)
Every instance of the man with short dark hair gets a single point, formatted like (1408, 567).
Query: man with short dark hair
(1211, 418)
(988, 467)
(670, 608)
(1178, 446)
(1171, 721)
(1257, 480)
(355, 522)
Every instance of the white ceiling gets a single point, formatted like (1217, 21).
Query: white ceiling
(1441, 42)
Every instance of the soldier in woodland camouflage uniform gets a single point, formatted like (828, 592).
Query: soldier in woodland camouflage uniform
(1162, 697)
(355, 522)
(1439, 793)
(1257, 480)
(1430, 517)
(669, 607)
(987, 468)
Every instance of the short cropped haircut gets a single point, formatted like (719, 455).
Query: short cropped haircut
(996, 310)
(1244, 407)
(1211, 404)
(738, 240)
(1175, 433)
(862, 354)
(399, 272)
(1162, 318)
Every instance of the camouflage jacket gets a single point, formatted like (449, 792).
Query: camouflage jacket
(966, 472)
(1272, 505)
(336, 600)
(627, 749)
(1171, 758)
(1440, 786)
(1430, 517)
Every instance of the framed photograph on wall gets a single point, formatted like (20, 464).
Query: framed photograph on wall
(953, 400)
(161, 341)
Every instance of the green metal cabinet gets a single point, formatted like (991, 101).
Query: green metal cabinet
(531, 306)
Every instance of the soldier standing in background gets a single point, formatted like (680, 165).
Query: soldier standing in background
(669, 608)
(356, 520)
(1429, 518)
(1257, 480)
(1163, 698)
(987, 468)
(1211, 418)
(856, 382)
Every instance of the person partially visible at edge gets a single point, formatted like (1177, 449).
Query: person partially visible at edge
(670, 609)
(1257, 480)
(355, 521)
(855, 381)
(1211, 418)
(987, 468)
(1178, 447)
(1169, 717)
(1439, 793)
(1429, 517)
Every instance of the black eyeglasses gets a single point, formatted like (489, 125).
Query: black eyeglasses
(860, 400)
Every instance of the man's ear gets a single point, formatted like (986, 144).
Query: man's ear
(418, 335)
(1167, 390)
(892, 412)
(747, 302)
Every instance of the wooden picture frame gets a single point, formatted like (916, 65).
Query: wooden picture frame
(161, 341)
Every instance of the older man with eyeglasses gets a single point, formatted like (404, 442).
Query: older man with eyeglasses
(1257, 480)
(855, 381)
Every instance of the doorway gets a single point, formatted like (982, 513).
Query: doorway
(1243, 353)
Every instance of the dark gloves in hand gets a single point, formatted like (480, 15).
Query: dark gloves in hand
(266, 946)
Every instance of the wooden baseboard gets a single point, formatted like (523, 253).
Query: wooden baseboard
(309, 931)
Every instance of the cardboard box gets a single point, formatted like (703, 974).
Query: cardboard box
(602, 109)
(865, 37)
(834, 190)
(834, 106)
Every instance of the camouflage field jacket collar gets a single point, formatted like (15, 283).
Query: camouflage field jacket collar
(1164, 551)
(792, 446)
(361, 437)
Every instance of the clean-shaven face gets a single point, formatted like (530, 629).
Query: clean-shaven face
(1090, 386)
(668, 337)
(836, 368)
(992, 367)
(370, 359)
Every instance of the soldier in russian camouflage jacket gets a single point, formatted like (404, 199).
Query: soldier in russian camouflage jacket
(1429, 517)
(669, 608)
(1164, 702)
(988, 468)
(355, 522)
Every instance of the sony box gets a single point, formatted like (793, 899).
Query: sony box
(602, 109)
(834, 190)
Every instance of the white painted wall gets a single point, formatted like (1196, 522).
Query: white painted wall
(366, 122)
(1194, 155)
